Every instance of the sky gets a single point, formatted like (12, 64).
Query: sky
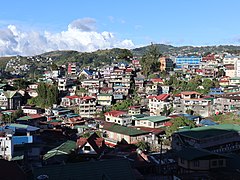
(30, 27)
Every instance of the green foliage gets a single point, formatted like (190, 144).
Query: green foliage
(165, 111)
(86, 135)
(47, 96)
(151, 76)
(179, 122)
(180, 84)
(54, 67)
(229, 118)
(123, 105)
(150, 60)
(21, 83)
(10, 118)
(143, 146)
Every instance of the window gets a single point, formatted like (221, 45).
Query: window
(182, 161)
(214, 163)
(87, 148)
(196, 163)
(220, 163)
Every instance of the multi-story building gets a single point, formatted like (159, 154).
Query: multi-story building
(118, 117)
(191, 100)
(157, 104)
(6, 146)
(230, 59)
(185, 62)
(166, 64)
(105, 99)
(87, 107)
(151, 121)
(10, 99)
(64, 84)
(69, 101)
(234, 81)
(221, 138)
(133, 110)
(72, 69)
(237, 68)
(224, 104)
(230, 70)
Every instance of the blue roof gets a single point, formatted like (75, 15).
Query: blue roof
(189, 117)
(207, 122)
(125, 64)
(89, 72)
(17, 140)
(21, 127)
(188, 57)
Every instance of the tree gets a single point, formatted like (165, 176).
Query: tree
(21, 83)
(150, 60)
(123, 105)
(165, 111)
(143, 146)
(179, 122)
(47, 96)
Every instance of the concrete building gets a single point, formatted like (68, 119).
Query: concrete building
(166, 64)
(185, 62)
(221, 138)
(158, 103)
(87, 107)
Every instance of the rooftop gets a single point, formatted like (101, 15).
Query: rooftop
(63, 149)
(92, 170)
(190, 153)
(210, 131)
(154, 118)
(125, 130)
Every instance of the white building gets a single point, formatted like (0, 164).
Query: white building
(118, 117)
(87, 107)
(64, 84)
(6, 146)
(157, 104)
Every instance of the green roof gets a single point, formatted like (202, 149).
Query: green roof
(125, 130)
(210, 131)
(139, 115)
(104, 94)
(154, 118)
(235, 78)
(20, 126)
(190, 153)
(2, 85)
(116, 169)
(63, 149)
(9, 94)
(24, 118)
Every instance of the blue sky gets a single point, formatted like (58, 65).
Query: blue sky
(176, 22)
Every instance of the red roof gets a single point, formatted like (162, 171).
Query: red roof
(35, 116)
(129, 70)
(134, 107)
(199, 70)
(168, 124)
(157, 80)
(115, 113)
(88, 97)
(161, 97)
(72, 97)
(94, 140)
(209, 57)
(189, 92)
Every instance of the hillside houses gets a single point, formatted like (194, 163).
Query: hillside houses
(115, 111)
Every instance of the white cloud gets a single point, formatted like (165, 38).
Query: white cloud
(81, 35)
